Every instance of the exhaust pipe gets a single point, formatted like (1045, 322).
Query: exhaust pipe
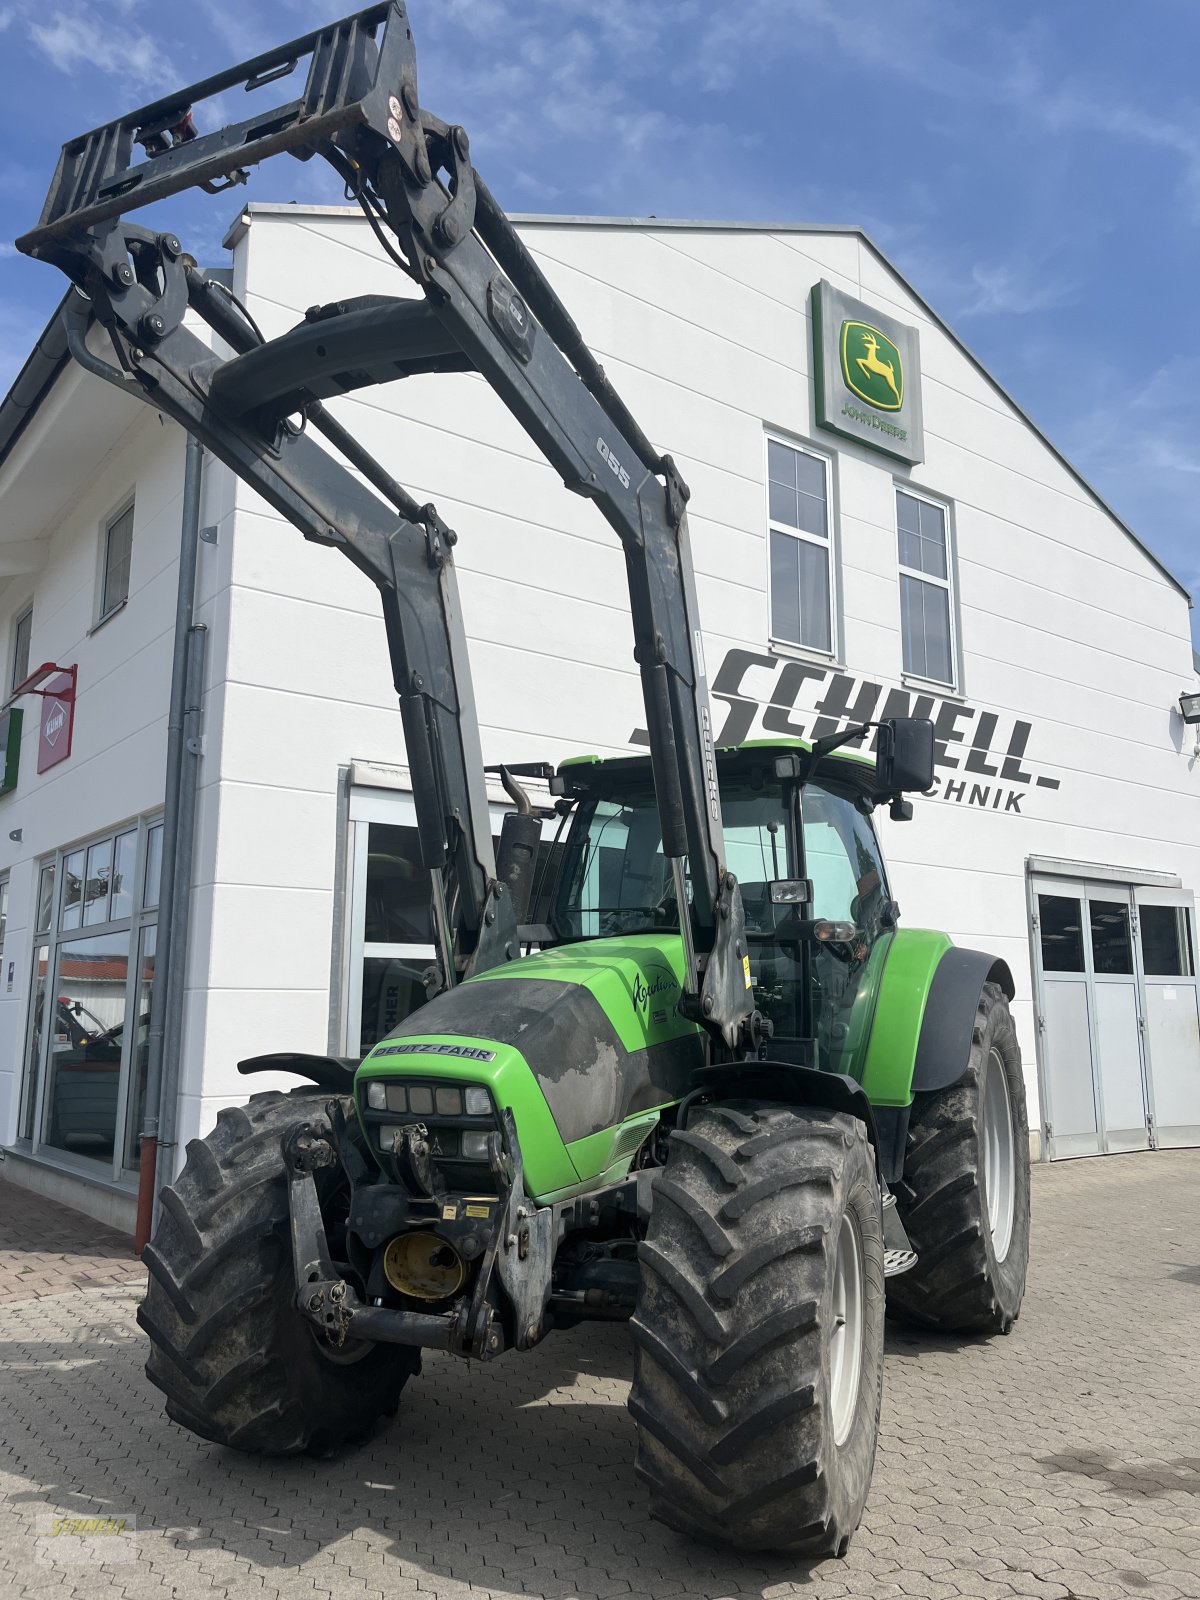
(520, 836)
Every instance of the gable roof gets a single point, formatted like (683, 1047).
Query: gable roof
(534, 219)
(48, 357)
(34, 381)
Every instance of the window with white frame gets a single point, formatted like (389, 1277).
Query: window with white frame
(926, 589)
(389, 945)
(87, 1042)
(22, 639)
(801, 554)
(118, 548)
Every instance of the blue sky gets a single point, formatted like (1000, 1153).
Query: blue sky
(1032, 168)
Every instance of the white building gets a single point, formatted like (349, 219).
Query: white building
(984, 584)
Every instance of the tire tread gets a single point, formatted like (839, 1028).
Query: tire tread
(957, 1285)
(228, 1349)
(734, 1439)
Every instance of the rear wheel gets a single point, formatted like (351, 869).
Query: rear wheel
(964, 1197)
(759, 1330)
(236, 1360)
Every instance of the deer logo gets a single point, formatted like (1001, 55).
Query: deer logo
(872, 367)
(870, 363)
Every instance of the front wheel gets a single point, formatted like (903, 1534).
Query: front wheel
(964, 1196)
(758, 1331)
(229, 1349)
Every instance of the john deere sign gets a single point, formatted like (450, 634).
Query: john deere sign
(868, 374)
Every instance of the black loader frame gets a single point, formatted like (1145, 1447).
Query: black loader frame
(485, 306)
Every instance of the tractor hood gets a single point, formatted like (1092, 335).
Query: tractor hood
(584, 1037)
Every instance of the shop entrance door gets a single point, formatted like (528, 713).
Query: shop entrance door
(1090, 1015)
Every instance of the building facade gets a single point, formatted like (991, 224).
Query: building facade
(876, 528)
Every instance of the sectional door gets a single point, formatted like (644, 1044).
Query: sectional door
(1118, 1016)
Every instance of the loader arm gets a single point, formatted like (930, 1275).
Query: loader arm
(405, 549)
(487, 307)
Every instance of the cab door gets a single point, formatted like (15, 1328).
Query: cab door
(843, 860)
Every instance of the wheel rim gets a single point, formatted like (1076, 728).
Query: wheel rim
(845, 1345)
(999, 1156)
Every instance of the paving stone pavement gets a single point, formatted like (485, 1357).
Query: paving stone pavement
(46, 1248)
(1062, 1462)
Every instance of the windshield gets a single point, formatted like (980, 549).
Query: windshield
(618, 880)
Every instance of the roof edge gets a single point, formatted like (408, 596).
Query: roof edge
(995, 383)
(549, 219)
(34, 381)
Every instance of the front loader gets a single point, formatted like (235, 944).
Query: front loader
(683, 1068)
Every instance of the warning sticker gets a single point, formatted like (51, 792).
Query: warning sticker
(746, 970)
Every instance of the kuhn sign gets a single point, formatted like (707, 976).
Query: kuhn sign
(58, 722)
(980, 756)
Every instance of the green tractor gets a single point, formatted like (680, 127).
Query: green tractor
(552, 1141)
(680, 1065)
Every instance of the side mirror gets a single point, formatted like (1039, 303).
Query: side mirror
(905, 759)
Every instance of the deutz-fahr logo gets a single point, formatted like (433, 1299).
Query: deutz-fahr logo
(871, 366)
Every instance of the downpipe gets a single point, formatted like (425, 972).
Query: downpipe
(179, 811)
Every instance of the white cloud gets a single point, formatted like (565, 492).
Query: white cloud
(949, 52)
(81, 37)
(1014, 288)
(576, 82)
(1139, 446)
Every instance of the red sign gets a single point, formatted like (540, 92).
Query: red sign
(58, 721)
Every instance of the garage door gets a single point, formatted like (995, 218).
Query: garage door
(1167, 947)
(1117, 1015)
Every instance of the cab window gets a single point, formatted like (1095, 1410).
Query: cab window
(843, 860)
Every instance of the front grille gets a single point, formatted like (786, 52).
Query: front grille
(457, 1137)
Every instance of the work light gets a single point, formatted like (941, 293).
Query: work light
(1189, 707)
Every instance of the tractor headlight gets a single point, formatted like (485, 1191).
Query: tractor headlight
(456, 1121)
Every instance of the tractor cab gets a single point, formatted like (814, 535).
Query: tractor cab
(800, 841)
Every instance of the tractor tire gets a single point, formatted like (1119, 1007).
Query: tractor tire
(757, 1409)
(236, 1360)
(964, 1196)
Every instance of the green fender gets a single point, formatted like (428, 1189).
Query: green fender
(920, 1037)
